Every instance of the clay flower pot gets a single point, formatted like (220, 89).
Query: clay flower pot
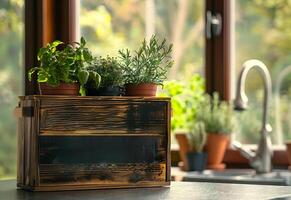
(184, 148)
(143, 89)
(215, 147)
(71, 89)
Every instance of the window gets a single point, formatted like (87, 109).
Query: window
(11, 70)
(112, 25)
(262, 31)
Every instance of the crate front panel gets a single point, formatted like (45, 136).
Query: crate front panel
(99, 117)
(112, 160)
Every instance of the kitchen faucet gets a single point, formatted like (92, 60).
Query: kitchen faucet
(261, 160)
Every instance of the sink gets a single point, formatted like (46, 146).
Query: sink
(241, 176)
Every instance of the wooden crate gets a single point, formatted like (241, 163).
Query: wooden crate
(69, 143)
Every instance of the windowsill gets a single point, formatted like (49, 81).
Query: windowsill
(233, 158)
(175, 147)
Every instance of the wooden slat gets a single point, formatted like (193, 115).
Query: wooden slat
(98, 117)
(20, 150)
(95, 98)
(102, 174)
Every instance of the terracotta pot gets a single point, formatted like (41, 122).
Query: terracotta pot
(143, 89)
(288, 149)
(184, 148)
(71, 89)
(215, 147)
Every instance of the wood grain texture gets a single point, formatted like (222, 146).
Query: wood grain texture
(99, 174)
(113, 117)
(93, 142)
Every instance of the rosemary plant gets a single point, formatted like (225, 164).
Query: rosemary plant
(149, 64)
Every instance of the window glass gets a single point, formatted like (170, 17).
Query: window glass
(112, 25)
(262, 31)
(11, 50)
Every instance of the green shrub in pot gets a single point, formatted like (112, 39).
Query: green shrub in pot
(218, 116)
(219, 120)
(197, 139)
(146, 68)
(68, 66)
(112, 79)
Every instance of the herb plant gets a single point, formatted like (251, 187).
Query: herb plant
(149, 64)
(197, 137)
(69, 65)
(218, 116)
(110, 71)
(185, 96)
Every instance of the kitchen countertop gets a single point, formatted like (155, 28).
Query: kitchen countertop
(237, 176)
(177, 191)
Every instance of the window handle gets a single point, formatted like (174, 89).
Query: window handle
(213, 24)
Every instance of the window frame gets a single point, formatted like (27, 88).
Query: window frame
(218, 52)
(46, 21)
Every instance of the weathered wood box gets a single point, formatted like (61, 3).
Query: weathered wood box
(69, 143)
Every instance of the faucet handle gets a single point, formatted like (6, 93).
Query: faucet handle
(244, 152)
(268, 128)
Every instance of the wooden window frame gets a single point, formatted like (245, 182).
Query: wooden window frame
(218, 52)
(46, 21)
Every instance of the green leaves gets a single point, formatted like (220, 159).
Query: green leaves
(82, 90)
(31, 72)
(186, 97)
(96, 79)
(75, 63)
(197, 137)
(83, 77)
(109, 69)
(83, 42)
(149, 64)
(42, 76)
(217, 115)
(67, 65)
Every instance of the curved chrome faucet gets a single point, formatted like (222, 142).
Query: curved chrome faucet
(261, 160)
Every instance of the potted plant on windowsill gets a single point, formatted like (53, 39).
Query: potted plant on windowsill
(146, 68)
(64, 71)
(185, 97)
(196, 157)
(112, 80)
(219, 121)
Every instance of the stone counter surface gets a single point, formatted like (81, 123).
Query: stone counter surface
(177, 191)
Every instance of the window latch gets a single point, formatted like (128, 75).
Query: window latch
(213, 24)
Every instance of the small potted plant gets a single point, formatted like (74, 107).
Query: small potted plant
(112, 80)
(64, 71)
(219, 121)
(146, 68)
(196, 157)
(185, 97)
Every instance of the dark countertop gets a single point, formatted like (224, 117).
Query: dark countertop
(177, 191)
